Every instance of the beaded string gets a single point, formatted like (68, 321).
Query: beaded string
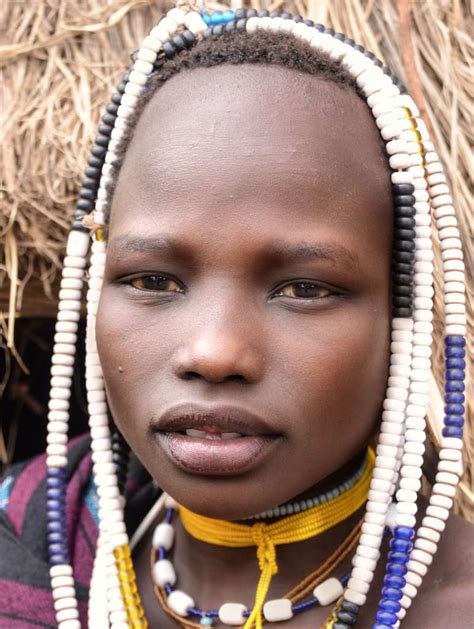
(400, 421)
(276, 610)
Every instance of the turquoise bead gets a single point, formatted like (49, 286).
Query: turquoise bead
(206, 621)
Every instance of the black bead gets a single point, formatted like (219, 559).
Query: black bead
(377, 62)
(116, 98)
(319, 27)
(240, 14)
(404, 210)
(403, 188)
(95, 162)
(359, 48)
(309, 23)
(85, 205)
(241, 25)
(350, 607)
(349, 41)
(218, 30)
(400, 267)
(404, 234)
(401, 302)
(253, 13)
(340, 625)
(79, 227)
(403, 291)
(98, 151)
(347, 617)
(297, 19)
(404, 199)
(230, 26)
(105, 129)
(404, 256)
(109, 119)
(261, 13)
(275, 14)
(85, 193)
(126, 77)
(102, 140)
(404, 222)
(286, 16)
(112, 108)
(189, 38)
(402, 279)
(93, 173)
(160, 61)
(178, 43)
(169, 49)
(91, 183)
(386, 70)
(401, 312)
(340, 36)
(369, 54)
(79, 214)
(121, 87)
(404, 245)
(329, 31)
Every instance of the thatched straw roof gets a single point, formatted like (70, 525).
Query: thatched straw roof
(60, 61)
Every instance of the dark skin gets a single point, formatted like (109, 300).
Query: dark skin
(215, 166)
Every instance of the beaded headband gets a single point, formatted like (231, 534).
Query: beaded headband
(419, 191)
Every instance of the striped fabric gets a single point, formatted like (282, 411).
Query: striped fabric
(25, 595)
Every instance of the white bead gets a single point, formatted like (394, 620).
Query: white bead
(58, 427)
(441, 501)
(163, 536)
(437, 512)
(426, 532)
(406, 495)
(414, 435)
(179, 602)
(77, 244)
(145, 67)
(399, 161)
(392, 428)
(277, 610)
(453, 265)
(447, 477)
(63, 592)
(367, 551)
(406, 482)
(56, 461)
(418, 567)
(383, 474)
(400, 359)
(232, 614)
(56, 437)
(60, 570)
(139, 78)
(145, 54)
(364, 562)
(358, 585)
(70, 624)
(401, 371)
(177, 15)
(372, 529)
(65, 603)
(406, 519)
(328, 591)
(433, 523)
(372, 541)
(426, 545)
(412, 472)
(451, 442)
(164, 572)
(355, 597)
(414, 579)
(393, 416)
(450, 454)
(414, 447)
(378, 496)
(393, 405)
(455, 467)
(170, 503)
(68, 315)
(67, 614)
(194, 22)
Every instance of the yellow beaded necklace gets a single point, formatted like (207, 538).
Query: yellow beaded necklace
(294, 528)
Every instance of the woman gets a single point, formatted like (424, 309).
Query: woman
(259, 309)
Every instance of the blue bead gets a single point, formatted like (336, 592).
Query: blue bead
(394, 594)
(56, 516)
(401, 545)
(55, 538)
(455, 340)
(206, 17)
(55, 505)
(162, 552)
(455, 374)
(56, 526)
(391, 580)
(57, 549)
(168, 588)
(397, 568)
(455, 352)
(454, 409)
(229, 15)
(396, 557)
(386, 618)
(452, 386)
(54, 493)
(455, 363)
(56, 560)
(452, 431)
(454, 420)
(404, 532)
(454, 398)
(206, 621)
(57, 472)
(55, 483)
(390, 606)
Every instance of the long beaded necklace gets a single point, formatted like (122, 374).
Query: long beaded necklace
(265, 537)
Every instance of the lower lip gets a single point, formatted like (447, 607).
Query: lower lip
(217, 456)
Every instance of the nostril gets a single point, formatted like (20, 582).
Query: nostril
(194, 375)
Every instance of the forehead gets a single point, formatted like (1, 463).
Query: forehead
(265, 142)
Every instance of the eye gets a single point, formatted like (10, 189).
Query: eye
(158, 283)
(303, 290)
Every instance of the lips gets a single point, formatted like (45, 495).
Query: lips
(215, 440)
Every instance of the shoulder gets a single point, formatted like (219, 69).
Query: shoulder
(445, 595)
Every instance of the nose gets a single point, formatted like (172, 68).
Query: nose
(219, 353)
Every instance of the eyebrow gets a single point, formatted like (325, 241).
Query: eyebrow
(275, 252)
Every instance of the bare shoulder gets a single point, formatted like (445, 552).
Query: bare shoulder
(446, 594)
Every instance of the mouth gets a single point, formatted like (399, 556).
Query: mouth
(215, 441)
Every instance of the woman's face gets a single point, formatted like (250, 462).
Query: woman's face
(247, 286)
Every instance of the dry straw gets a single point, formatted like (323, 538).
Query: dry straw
(61, 58)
